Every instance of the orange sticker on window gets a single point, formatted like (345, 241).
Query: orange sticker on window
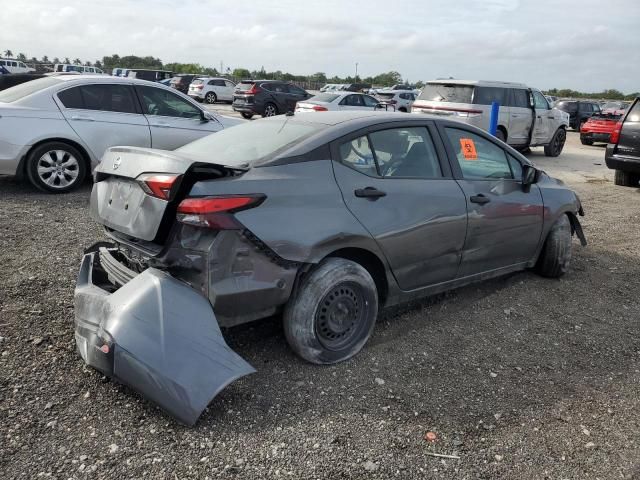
(468, 149)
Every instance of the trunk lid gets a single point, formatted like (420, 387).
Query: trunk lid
(118, 200)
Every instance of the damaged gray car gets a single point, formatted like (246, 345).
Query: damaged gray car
(323, 219)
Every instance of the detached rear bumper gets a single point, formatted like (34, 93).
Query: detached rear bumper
(157, 335)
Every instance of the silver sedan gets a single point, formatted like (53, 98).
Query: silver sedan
(54, 130)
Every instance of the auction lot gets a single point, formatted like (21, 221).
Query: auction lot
(520, 377)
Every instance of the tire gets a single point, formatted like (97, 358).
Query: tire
(210, 97)
(500, 135)
(556, 253)
(585, 141)
(56, 167)
(626, 179)
(333, 313)
(270, 110)
(402, 109)
(556, 144)
(248, 116)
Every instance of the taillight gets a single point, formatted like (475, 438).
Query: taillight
(215, 212)
(615, 134)
(319, 108)
(254, 90)
(158, 185)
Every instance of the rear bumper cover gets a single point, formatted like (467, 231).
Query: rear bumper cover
(157, 335)
(615, 161)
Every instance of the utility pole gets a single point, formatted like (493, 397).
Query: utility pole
(356, 71)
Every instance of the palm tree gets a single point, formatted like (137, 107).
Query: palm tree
(8, 53)
(77, 61)
(66, 60)
(56, 60)
(45, 59)
(22, 57)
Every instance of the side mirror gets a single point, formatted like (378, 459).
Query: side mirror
(529, 176)
(205, 116)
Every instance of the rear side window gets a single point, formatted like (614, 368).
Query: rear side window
(405, 152)
(71, 98)
(488, 95)
(520, 98)
(217, 83)
(369, 101)
(108, 98)
(443, 92)
(569, 107)
(296, 90)
(478, 157)
(352, 101)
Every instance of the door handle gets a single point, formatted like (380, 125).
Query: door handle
(369, 192)
(480, 199)
(83, 118)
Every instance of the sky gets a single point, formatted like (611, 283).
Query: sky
(585, 45)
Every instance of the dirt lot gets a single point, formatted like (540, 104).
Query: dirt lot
(520, 377)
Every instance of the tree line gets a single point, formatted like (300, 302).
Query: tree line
(110, 62)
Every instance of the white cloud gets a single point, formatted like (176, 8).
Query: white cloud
(544, 43)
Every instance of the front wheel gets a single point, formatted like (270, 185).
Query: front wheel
(333, 313)
(210, 97)
(556, 253)
(270, 110)
(56, 167)
(556, 144)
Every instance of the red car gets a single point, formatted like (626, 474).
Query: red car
(598, 128)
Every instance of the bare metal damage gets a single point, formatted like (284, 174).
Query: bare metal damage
(157, 335)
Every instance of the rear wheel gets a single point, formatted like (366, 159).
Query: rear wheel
(333, 313)
(556, 144)
(56, 167)
(248, 116)
(270, 110)
(585, 141)
(626, 179)
(402, 109)
(210, 97)
(556, 253)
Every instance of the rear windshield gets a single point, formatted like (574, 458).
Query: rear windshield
(250, 143)
(446, 92)
(324, 97)
(385, 95)
(197, 81)
(570, 107)
(18, 92)
(244, 86)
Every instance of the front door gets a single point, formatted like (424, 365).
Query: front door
(105, 115)
(505, 221)
(174, 121)
(545, 121)
(393, 182)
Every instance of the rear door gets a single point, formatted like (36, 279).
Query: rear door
(174, 121)
(520, 117)
(629, 143)
(104, 115)
(505, 222)
(394, 183)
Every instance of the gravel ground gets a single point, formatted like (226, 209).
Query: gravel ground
(520, 377)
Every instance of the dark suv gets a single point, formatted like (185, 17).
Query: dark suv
(579, 111)
(623, 151)
(182, 82)
(266, 97)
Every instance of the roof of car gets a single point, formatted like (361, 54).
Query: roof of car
(103, 79)
(335, 118)
(485, 83)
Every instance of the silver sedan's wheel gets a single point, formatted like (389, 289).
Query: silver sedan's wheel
(56, 167)
(270, 110)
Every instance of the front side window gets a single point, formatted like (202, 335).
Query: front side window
(357, 154)
(540, 101)
(161, 102)
(229, 84)
(478, 157)
(405, 152)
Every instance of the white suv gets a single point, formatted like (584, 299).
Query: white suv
(212, 90)
(525, 118)
(402, 100)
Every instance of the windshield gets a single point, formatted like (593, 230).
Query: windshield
(18, 92)
(446, 92)
(250, 143)
(324, 97)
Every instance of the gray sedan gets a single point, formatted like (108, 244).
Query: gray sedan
(55, 129)
(324, 219)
